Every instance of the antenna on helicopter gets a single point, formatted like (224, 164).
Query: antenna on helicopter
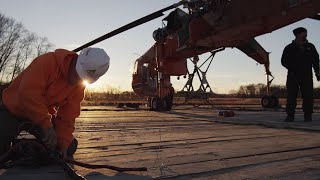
(131, 25)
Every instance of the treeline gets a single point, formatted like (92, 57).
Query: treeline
(259, 90)
(111, 95)
(17, 46)
(246, 91)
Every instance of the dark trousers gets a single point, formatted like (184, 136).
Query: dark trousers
(305, 84)
(11, 127)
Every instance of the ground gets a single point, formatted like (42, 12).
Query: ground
(191, 143)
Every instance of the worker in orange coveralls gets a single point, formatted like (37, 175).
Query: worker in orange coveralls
(45, 98)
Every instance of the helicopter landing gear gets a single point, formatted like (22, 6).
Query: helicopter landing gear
(157, 104)
(269, 101)
(167, 103)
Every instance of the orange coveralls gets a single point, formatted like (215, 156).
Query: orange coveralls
(41, 94)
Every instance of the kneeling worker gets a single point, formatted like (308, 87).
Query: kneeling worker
(45, 98)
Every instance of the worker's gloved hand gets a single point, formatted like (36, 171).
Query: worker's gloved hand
(49, 138)
(318, 76)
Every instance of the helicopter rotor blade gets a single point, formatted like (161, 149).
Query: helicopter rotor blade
(131, 25)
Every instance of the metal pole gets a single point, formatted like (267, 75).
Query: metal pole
(268, 85)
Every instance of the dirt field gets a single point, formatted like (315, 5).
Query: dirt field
(191, 143)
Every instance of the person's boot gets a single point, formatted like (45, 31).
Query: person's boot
(289, 118)
(307, 117)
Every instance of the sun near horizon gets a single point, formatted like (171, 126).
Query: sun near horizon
(88, 85)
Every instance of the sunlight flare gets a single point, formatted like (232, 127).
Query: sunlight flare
(88, 85)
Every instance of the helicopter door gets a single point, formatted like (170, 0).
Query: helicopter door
(146, 80)
(145, 73)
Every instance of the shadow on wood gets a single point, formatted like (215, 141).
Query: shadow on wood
(118, 176)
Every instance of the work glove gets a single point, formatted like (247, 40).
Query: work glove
(49, 138)
(318, 76)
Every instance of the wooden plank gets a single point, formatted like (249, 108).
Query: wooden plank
(194, 144)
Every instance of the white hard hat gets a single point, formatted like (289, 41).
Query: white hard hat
(92, 63)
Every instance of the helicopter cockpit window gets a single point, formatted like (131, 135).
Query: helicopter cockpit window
(135, 67)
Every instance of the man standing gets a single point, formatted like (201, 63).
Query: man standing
(45, 98)
(299, 57)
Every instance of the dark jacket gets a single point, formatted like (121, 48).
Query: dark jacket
(299, 59)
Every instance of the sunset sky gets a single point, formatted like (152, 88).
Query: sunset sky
(69, 24)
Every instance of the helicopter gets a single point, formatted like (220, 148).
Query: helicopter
(208, 26)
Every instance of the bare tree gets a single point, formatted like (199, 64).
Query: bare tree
(17, 46)
(43, 45)
(3, 21)
(9, 42)
(24, 52)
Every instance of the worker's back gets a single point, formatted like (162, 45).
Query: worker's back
(43, 82)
